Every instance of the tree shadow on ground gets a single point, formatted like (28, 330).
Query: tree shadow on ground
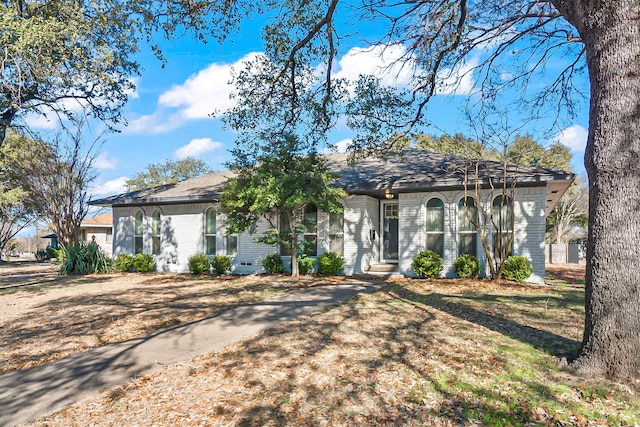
(549, 342)
(398, 341)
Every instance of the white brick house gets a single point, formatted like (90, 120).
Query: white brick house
(396, 207)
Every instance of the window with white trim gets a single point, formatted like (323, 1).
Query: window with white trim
(467, 231)
(155, 232)
(232, 244)
(137, 233)
(503, 226)
(311, 230)
(336, 233)
(435, 226)
(210, 231)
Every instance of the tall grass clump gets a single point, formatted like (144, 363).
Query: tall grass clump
(84, 258)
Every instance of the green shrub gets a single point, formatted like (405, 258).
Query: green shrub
(467, 266)
(199, 264)
(84, 258)
(427, 264)
(220, 264)
(330, 263)
(143, 263)
(517, 268)
(305, 264)
(53, 253)
(273, 264)
(124, 263)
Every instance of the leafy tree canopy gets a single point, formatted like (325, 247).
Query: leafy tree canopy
(523, 150)
(168, 172)
(61, 57)
(280, 184)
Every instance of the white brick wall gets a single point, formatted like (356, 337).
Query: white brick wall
(183, 233)
(361, 215)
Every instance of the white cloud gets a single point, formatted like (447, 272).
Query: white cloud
(103, 162)
(381, 61)
(574, 137)
(396, 67)
(40, 121)
(459, 80)
(115, 186)
(202, 94)
(340, 147)
(196, 147)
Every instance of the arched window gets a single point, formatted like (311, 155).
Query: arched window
(137, 233)
(210, 231)
(336, 233)
(435, 226)
(503, 226)
(155, 232)
(467, 221)
(311, 230)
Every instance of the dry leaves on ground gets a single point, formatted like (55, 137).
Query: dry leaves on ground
(46, 317)
(441, 353)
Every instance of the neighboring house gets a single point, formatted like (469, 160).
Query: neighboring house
(99, 229)
(396, 207)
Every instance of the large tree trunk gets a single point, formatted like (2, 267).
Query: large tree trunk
(611, 341)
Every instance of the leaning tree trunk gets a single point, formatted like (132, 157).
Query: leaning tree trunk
(611, 341)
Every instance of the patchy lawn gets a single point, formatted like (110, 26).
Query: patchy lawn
(418, 352)
(46, 316)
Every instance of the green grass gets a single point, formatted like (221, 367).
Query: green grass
(516, 382)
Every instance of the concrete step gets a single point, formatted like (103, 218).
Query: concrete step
(383, 268)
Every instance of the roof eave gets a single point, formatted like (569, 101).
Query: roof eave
(131, 201)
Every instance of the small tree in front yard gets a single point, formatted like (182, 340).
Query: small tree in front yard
(277, 189)
(280, 174)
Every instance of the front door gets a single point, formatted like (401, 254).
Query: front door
(389, 227)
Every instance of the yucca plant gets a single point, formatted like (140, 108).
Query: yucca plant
(84, 258)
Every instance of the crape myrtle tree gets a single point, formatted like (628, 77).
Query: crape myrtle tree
(279, 171)
(569, 215)
(512, 44)
(489, 180)
(57, 176)
(62, 56)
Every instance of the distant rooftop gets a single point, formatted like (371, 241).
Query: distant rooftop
(104, 220)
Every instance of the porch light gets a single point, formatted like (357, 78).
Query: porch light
(388, 194)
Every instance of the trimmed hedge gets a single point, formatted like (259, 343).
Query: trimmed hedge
(427, 264)
(220, 265)
(517, 268)
(330, 263)
(467, 266)
(305, 264)
(124, 263)
(273, 264)
(143, 263)
(199, 264)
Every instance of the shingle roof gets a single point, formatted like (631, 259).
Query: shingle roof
(104, 220)
(416, 169)
(192, 190)
(412, 170)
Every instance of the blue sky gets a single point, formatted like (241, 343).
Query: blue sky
(168, 114)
